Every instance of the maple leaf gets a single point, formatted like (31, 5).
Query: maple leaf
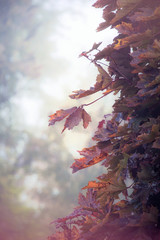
(89, 200)
(91, 155)
(146, 14)
(83, 93)
(115, 185)
(105, 133)
(74, 116)
(102, 81)
(109, 9)
(86, 118)
(103, 77)
(124, 8)
(125, 28)
(60, 115)
(135, 39)
(73, 119)
(94, 184)
(104, 53)
(103, 26)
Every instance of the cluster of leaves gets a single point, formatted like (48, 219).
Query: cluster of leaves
(125, 202)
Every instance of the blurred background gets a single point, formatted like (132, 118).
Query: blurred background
(40, 42)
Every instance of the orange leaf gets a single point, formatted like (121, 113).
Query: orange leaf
(91, 155)
(94, 184)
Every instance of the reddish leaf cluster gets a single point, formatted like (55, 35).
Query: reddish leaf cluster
(124, 203)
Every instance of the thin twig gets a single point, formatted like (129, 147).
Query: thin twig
(102, 63)
(87, 104)
(130, 185)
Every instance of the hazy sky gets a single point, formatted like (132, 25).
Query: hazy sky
(68, 29)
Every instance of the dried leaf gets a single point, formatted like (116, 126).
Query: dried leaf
(137, 39)
(105, 78)
(125, 7)
(102, 80)
(102, 26)
(94, 184)
(91, 155)
(60, 115)
(86, 118)
(125, 28)
(83, 93)
(73, 119)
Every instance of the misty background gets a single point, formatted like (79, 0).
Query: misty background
(40, 42)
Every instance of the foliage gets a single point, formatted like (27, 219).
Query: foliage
(125, 201)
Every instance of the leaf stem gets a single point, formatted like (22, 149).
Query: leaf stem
(87, 104)
(102, 63)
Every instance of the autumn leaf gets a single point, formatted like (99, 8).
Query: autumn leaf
(124, 8)
(86, 118)
(135, 39)
(88, 200)
(105, 53)
(103, 77)
(125, 28)
(105, 24)
(60, 115)
(112, 186)
(83, 93)
(74, 116)
(94, 184)
(146, 15)
(73, 119)
(90, 157)
(102, 81)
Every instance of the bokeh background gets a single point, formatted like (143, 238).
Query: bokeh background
(40, 42)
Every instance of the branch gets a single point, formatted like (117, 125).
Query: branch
(87, 104)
